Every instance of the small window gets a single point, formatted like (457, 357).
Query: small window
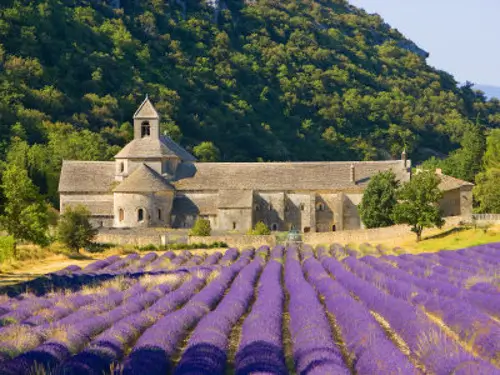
(307, 229)
(140, 215)
(122, 167)
(302, 206)
(145, 129)
(121, 214)
(334, 228)
(270, 206)
(274, 227)
(159, 215)
(234, 225)
(320, 207)
(257, 207)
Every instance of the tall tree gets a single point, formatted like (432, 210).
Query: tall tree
(25, 214)
(486, 191)
(379, 200)
(418, 203)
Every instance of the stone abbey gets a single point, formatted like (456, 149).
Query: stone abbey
(154, 182)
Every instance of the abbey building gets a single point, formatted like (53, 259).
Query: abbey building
(154, 182)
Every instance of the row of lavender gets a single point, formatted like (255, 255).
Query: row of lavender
(363, 304)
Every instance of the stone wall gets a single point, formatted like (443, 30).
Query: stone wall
(239, 241)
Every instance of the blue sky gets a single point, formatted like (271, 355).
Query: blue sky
(462, 36)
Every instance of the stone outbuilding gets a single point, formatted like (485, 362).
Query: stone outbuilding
(154, 182)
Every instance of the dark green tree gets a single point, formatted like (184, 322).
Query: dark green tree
(74, 228)
(201, 227)
(25, 214)
(487, 191)
(378, 201)
(418, 203)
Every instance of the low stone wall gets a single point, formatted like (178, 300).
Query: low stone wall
(157, 237)
(370, 235)
(237, 240)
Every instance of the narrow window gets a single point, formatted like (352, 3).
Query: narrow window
(334, 228)
(122, 167)
(121, 214)
(140, 215)
(159, 215)
(320, 207)
(274, 227)
(145, 129)
(257, 207)
(302, 206)
(234, 225)
(270, 206)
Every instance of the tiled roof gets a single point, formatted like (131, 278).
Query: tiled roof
(151, 147)
(451, 183)
(143, 180)
(202, 205)
(235, 199)
(282, 176)
(146, 110)
(87, 176)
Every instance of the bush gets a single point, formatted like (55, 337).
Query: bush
(6, 248)
(98, 247)
(260, 229)
(201, 228)
(74, 228)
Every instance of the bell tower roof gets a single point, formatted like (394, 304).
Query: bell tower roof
(146, 110)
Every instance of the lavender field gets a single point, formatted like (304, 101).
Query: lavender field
(265, 311)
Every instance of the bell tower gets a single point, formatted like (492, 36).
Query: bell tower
(146, 121)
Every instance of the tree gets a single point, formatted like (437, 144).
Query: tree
(201, 228)
(260, 229)
(206, 151)
(74, 228)
(25, 214)
(418, 203)
(486, 191)
(378, 201)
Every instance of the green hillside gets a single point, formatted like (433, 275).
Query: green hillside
(266, 80)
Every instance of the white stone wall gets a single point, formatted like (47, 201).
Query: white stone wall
(299, 211)
(328, 217)
(270, 209)
(149, 203)
(238, 219)
(351, 215)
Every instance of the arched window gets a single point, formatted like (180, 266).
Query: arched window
(320, 206)
(140, 214)
(122, 167)
(145, 129)
(121, 214)
(159, 215)
(302, 206)
(274, 227)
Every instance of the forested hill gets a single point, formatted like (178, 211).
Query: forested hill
(265, 80)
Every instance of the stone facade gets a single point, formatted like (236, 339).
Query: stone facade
(154, 182)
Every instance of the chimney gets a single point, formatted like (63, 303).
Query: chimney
(352, 174)
(403, 157)
(439, 171)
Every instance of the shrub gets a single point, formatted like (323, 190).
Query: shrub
(260, 229)
(201, 228)
(6, 248)
(74, 228)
